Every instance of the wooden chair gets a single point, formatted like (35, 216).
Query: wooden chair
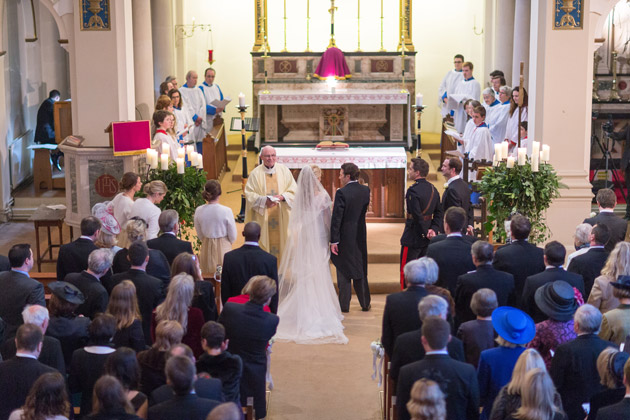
(45, 279)
(248, 410)
(217, 289)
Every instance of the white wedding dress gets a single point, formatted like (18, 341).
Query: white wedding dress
(309, 308)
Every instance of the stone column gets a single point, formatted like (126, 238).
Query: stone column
(142, 58)
(163, 45)
(2, 52)
(488, 41)
(504, 38)
(521, 41)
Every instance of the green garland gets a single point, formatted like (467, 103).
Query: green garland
(519, 190)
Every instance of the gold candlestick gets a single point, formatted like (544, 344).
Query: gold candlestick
(382, 49)
(596, 61)
(332, 24)
(358, 26)
(285, 27)
(614, 90)
(308, 26)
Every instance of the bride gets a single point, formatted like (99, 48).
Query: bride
(309, 308)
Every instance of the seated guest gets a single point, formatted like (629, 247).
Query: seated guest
(553, 257)
(177, 307)
(620, 410)
(88, 282)
(580, 241)
(408, 347)
(203, 298)
(47, 400)
(149, 290)
(123, 306)
(537, 397)
(147, 209)
(574, 366)
(249, 330)
(617, 264)
(71, 330)
(478, 335)
(590, 264)
(515, 329)
(153, 360)
(88, 363)
(485, 276)
(185, 404)
(607, 200)
(616, 323)
(220, 363)
(519, 258)
(401, 309)
(426, 401)
(509, 399)
(242, 264)
(456, 379)
(18, 374)
(226, 411)
(110, 228)
(110, 401)
(73, 257)
(18, 289)
(123, 365)
(610, 364)
(205, 386)
(452, 255)
(136, 231)
(130, 184)
(168, 242)
(557, 301)
(214, 224)
(51, 354)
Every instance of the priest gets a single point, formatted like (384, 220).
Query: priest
(269, 192)
(194, 105)
(467, 88)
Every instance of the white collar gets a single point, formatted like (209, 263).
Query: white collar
(351, 182)
(452, 179)
(251, 243)
(270, 171)
(99, 349)
(25, 355)
(606, 210)
(549, 267)
(596, 247)
(450, 235)
(86, 237)
(169, 233)
(437, 352)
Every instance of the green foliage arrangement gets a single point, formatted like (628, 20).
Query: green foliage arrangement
(184, 195)
(519, 190)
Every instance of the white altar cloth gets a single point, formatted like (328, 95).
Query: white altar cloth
(363, 157)
(340, 97)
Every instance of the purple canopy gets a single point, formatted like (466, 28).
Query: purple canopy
(333, 63)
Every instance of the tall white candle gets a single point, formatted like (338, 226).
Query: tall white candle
(189, 151)
(510, 161)
(522, 156)
(180, 165)
(181, 152)
(497, 152)
(154, 158)
(164, 159)
(241, 99)
(504, 150)
(546, 150)
(419, 100)
(534, 163)
(166, 149)
(149, 156)
(536, 149)
(199, 160)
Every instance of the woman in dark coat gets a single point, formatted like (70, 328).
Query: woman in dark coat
(123, 305)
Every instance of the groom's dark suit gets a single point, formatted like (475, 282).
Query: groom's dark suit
(348, 230)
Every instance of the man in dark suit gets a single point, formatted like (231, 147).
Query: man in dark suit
(401, 309)
(424, 215)
(148, 289)
(408, 347)
(89, 283)
(51, 353)
(240, 265)
(457, 380)
(519, 258)
(607, 200)
(5, 265)
(73, 257)
(45, 128)
(18, 289)
(348, 237)
(249, 330)
(168, 242)
(17, 375)
(484, 277)
(554, 258)
(574, 365)
(457, 193)
(589, 265)
(621, 410)
(185, 404)
(452, 254)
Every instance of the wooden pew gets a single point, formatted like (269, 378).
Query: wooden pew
(217, 289)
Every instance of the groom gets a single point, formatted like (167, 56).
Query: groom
(348, 242)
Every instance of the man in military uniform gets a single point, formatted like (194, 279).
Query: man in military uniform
(424, 215)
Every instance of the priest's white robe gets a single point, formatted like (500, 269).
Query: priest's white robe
(464, 90)
(496, 119)
(511, 129)
(210, 93)
(447, 86)
(481, 146)
(468, 131)
(194, 105)
(182, 123)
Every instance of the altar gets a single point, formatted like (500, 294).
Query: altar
(383, 169)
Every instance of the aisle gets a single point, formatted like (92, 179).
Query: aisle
(330, 381)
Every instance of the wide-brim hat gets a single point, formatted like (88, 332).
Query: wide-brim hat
(105, 213)
(513, 325)
(623, 282)
(66, 291)
(556, 300)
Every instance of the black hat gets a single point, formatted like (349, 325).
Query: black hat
(616, 363)
(557, 300)
(623, 282)
(67, 292)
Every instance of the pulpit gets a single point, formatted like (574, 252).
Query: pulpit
(215, 150)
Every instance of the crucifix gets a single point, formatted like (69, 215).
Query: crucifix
(332, 24)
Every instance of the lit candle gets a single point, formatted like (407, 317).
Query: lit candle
(149, 157)
(241, 100)
(497, 152)
(189, 151)
(166, 149)
(510, 161)
(154, 158)
(164, 158)
(534, 163)
(536, 149)
(504, 150)
(199, 160)
(419, 100)
(522, 156)
(180, 152)
(545, 153)
(180, 165)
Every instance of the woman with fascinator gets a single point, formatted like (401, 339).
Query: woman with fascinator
(309, 308)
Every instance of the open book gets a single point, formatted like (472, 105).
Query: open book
(454, 134)
(221, 104)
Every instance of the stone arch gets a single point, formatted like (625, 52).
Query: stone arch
(58, 9)
(600, 9)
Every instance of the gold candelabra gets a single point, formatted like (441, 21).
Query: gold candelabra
(614, 90)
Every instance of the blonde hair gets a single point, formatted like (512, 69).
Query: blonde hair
(167, 334)
(135, 230)
(537, 397)
(105, 240)
(502, 342)
(155, 187)
(123, 304)
(618, 262)
(162, 103)
(260, 289)
(607, 378)
(528, 360)
(178, 299)
(426, 401)
(317, 171)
